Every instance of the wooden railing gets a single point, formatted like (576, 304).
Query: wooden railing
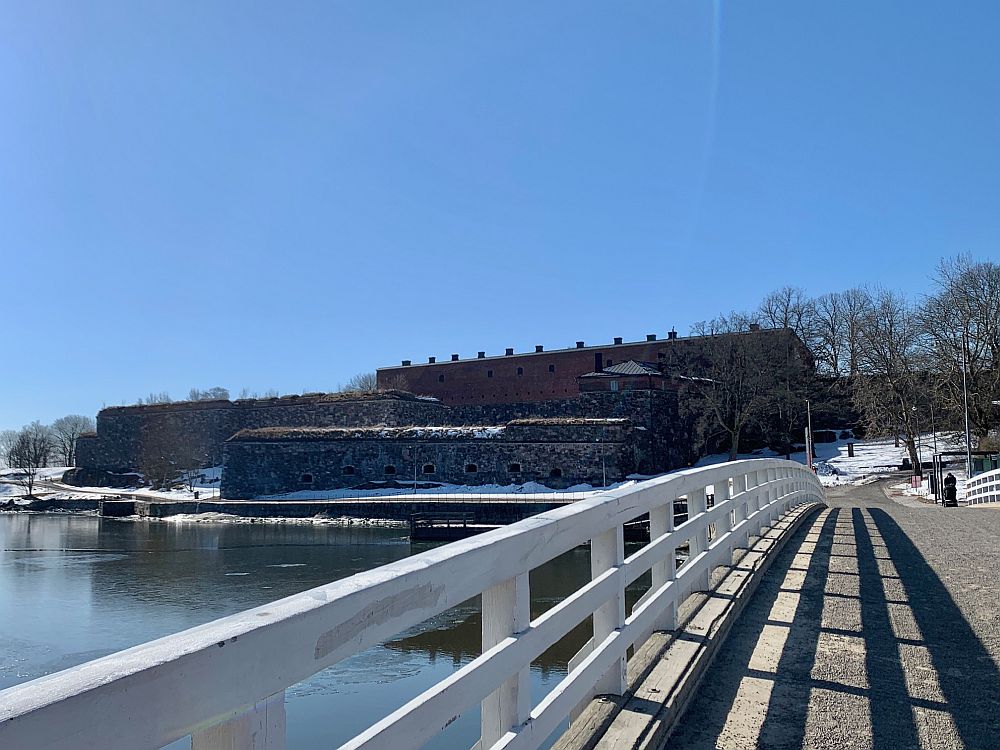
(223, 683)
(984, 488)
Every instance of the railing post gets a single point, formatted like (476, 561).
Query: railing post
(607, 550)
(722, 495)
(661, 521)
(697, 503)
(740, 512)
(261, 727)
(506, 611)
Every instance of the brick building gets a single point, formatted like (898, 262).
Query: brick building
(543, 375)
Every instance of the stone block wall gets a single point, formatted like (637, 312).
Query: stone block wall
(557, 454)
(192, 433)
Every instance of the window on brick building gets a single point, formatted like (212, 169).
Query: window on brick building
(441, 378)
(471, 468)
(614, 385)
(429, 469)
(307, 479)
(552, 368)
(348, 470)
(390, 469)
(608, 363)
(520, 371)
(489, 373)
(555, 473)
(514, 468)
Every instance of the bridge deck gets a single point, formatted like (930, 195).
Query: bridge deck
(877, 627)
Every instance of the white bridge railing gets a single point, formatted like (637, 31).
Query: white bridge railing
(984, 488)
(223, 683)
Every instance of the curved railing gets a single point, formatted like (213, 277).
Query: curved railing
(223, 683)
(984, 488)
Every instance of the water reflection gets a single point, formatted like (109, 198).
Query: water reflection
(73, 588)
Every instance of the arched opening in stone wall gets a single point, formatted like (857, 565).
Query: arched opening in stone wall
(307, 479)
(348, 469)
(390, 469)
(429, 469)
(471, 468)
(514, 468)
(555, 473)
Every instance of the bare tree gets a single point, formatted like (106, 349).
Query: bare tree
(65, 432)
(218, 393)
(363, 381)
(29, 453)
(7, 440)
(856, 305)
(893, 363)
(831, 333)
(962, 321)
(736, 376)
(789, 307)
(155, 398)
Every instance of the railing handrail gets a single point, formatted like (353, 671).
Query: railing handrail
(209, 675)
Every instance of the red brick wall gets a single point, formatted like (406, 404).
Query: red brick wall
(467, 382)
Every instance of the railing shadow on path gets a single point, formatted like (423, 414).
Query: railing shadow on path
(861, 646)
(967, 678)
(742, 665)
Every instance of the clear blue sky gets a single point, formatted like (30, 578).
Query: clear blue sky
(280, 195)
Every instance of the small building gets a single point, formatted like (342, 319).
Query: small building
(627, 376)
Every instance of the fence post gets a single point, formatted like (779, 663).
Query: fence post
(260, 727)
(661, 521)
(607, 550)
(506, 611)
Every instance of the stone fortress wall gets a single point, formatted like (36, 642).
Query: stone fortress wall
(557, 453)
(193, 432)
(286, 444)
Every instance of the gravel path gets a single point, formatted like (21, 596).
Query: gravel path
(877, 627)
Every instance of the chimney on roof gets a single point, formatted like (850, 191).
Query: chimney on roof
(539, 348)
(618, 339)
(755, 326)
(579, 345)
(650, 337)
(454, 358)
(431, 360)
(406, 363)
(671, 334)
(510, 351)
(598, 362)
(481, 355)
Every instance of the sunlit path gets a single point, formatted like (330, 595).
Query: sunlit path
(876, 628)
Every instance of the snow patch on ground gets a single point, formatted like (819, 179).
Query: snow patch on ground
(872, 458)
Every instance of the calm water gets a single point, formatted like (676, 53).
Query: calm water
(73, 588)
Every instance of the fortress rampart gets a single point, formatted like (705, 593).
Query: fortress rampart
(557, 453)
(192, 433)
